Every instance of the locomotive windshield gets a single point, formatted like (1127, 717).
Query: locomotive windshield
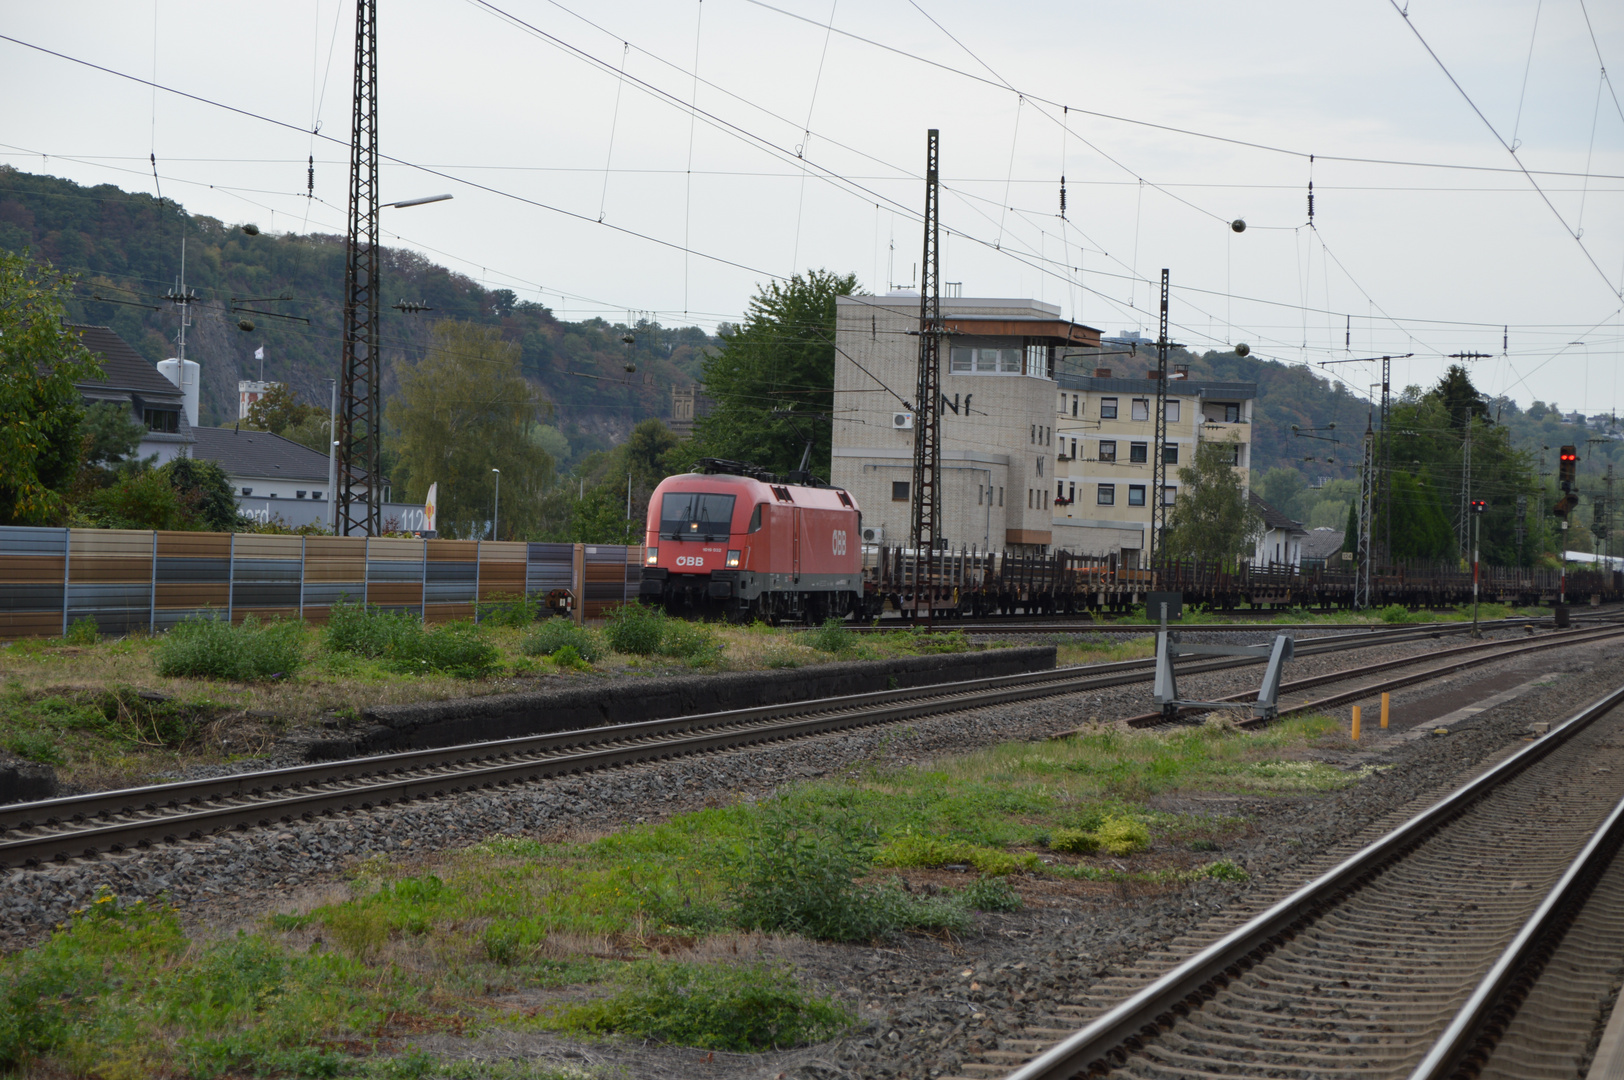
(694, 515)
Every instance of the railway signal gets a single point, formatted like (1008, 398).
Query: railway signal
(1479, 506)
(1568, 471)
(1564, 504)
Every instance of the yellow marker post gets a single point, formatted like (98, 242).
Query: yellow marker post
(1387, 700)
(1356, 723)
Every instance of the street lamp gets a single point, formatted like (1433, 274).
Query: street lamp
(496, 510)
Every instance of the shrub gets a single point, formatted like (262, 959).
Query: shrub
(1074, 841)
(212, 648)
(1225, 870)
(1395, 613)
(712, 1007)
(36, 746)
(1123, 836)
(991, 894)
(512, 611)
(565, 656)
(796, 875)
(83, 631)
(458, 649)
(912, 850)
(635, 629)
(554, 634)
(694, 642)
(832, 637)
(362, 630)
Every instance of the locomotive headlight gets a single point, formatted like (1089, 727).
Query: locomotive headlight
(652, 558)
(733, 558)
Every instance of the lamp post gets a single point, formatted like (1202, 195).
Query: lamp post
(496, 510)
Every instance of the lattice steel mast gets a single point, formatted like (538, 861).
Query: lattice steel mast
(360, 485)
(1362, 552)
(1158, 502)
(927, 514)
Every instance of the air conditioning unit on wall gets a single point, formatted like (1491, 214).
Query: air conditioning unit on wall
(902, 421)
(875, 535)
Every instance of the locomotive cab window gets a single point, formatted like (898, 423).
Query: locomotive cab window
(694, 515)
(755, 518)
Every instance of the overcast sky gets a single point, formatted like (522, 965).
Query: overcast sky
(520, 108)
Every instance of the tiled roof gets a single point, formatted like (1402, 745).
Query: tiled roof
(123, 368)
(1273, 518)
(259, 454)
(1322, 543)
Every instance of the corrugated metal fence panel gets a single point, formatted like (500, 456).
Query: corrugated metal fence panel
(266, 577)
(335, 569)
(502, 569)
(110, 578)
(448, 592)
(395, 573)
(33, 563)
(634, 570)
(192, 576)
(605, 578)
(551, 567)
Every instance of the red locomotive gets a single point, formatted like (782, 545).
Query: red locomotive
(738, 540)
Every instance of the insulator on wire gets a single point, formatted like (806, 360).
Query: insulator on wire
(310, 178)
(1062, 196)
(1311, 202)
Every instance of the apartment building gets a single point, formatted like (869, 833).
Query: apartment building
(1106, 430)
(999, 433)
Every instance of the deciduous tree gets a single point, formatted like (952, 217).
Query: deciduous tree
(40, 410)
(1212, 519)
(780, 360)
(463, 410)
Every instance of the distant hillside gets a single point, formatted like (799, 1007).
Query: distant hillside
(125, 247)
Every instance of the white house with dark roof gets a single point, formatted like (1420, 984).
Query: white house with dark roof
(128, 379)
(264, 466)
(1281, 541)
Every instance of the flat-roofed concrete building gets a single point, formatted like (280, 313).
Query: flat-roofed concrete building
(1034, 458)
(1106, 430)
(998, 416)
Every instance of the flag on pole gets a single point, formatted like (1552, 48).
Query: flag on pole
(259, 353)
(428, 508)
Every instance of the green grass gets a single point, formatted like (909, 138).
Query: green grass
(121, 992)
(709, 1006)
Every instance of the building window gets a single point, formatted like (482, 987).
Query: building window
(1227, 412)
(247, 491)
(316, 495)
(1136, 494)
(899, 490)
(1000, 496)
(1172, 412)
(1230, 453)
(978, 494)
(1074, 404)
(1106, 495)
(298, 494)
(1073, 496)
(968, 361)
(1232, 413)
(1074, 449)
(1141, 408)
(1170, 453)
(1038, 361)
(1168, 494)
(1139, 452)
(164, 420)
(1108, 408)
(1108, 450)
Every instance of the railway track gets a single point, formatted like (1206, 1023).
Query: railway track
(1479, 938)
(1075, 625)
(108, 822)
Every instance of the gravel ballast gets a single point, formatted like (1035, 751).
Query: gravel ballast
(929, 1004)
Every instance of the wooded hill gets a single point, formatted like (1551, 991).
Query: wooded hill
(126, 248)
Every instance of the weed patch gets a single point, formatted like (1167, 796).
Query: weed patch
(554, 634)
(711, 1007)
(83, 631)
(928, 851)
(211, 648)
(832, 637)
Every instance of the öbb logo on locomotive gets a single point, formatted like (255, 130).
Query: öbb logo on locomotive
(839, 537)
